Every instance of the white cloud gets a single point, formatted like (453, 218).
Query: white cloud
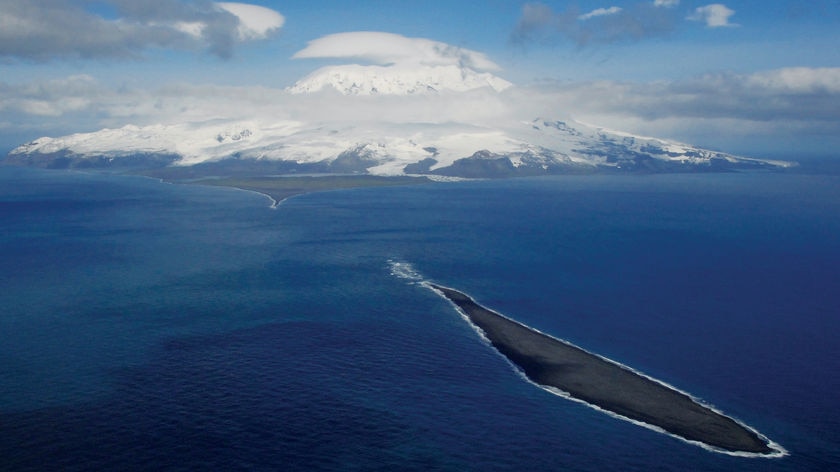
(798, 80)
(388, 48)
(715, 15)
(60, 29)
(666, 3)
(600, 12)
(801, 94)
(192, 28)
(255, 22)
(540, 24)
(52, 98)
(776, 109)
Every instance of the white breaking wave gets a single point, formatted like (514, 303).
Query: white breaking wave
(404, 270)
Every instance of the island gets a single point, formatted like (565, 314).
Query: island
(609, 386)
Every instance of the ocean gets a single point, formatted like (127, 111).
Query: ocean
(151, 326)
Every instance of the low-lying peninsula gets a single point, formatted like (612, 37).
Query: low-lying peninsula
(553, 363)
(282, 186)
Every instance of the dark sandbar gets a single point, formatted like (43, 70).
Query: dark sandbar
(584, 376)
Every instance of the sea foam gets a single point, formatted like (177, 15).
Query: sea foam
(404, 270)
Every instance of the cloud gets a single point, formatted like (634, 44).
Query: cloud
(798, 94)
(762, 111)
(782, 109)
(798, 80)
(801, 94)
(540, 23)
(388, 49)
(715, 15)
(255, 22)
(666, 3)
(600, 12)
(82, 104)
(51, 98)
(50, 29)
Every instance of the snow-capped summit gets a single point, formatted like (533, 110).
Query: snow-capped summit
(392, 64)
(356, 79)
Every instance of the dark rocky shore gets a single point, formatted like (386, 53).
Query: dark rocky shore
(550, 362)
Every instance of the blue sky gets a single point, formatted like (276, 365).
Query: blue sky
(741, 76)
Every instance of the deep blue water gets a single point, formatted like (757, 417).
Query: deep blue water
(148, 326)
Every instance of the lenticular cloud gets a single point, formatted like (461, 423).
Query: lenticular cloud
(255, 22)
(388, 49)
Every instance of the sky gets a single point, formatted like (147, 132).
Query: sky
(755, 78)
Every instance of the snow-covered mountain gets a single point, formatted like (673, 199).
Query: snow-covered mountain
(397, 80)
(535, 147)
(438, 116)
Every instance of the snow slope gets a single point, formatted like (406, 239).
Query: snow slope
(543, 146)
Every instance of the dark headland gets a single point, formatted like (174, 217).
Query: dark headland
(607, 385)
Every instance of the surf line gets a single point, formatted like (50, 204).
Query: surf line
(608, 386)
(274, 203)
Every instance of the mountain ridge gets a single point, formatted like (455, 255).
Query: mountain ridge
(536, 147)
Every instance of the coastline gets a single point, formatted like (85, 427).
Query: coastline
(569, 371)
(278, 189)
(275, 200)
